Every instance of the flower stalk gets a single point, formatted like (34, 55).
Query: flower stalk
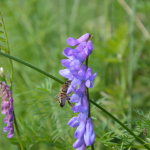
(82, 79)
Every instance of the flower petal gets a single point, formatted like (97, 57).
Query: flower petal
(75, 64)
(73, 122)
(68, 51)
(65, 62)
(81, 106)
(89, 47)
(78, 143)
(66, 73)
(88, 83)
(10, 133)
(82, 147)
(81, 73)
(80, 130)
(89, 135)
(80, 56)
(72, 42)
(84, 37)
(75, 82)
(75, 98)
(80, 47)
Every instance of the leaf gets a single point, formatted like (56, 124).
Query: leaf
(1, 32)
(0, 24)
(2, 39)
(2, 47)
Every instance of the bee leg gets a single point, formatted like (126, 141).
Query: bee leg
(70, 104)
(56, 98)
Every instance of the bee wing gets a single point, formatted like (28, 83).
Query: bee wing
(56, 96)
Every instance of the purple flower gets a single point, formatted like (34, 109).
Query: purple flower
(78, 143)
(80, 130)
(7, 108)
(74, 122)
(89, 78)
(81, 77)
(82, 147)
(89, 135)
(73, 42)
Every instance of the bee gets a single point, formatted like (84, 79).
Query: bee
(62, 95)
(145, 131)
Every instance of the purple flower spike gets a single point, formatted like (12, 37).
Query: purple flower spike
(89, 135)
(7, 108)
(81, 78)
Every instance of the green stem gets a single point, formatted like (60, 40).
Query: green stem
(130, 64)
(18, 133)
(119, 122)
(31, 66)
(11, 64)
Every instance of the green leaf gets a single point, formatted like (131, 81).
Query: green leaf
(2, 47)
(1, 32)
(2, 39)
(0, 24)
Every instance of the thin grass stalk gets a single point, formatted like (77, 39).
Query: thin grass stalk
(11, 81)
(131, 60)
(31, 66)
(119, 122)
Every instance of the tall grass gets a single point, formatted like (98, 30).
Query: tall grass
(37, 32)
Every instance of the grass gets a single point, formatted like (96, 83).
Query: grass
(37, 32)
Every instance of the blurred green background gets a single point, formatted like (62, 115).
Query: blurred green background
(37, 31)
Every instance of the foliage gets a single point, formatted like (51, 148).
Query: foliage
(37, 32)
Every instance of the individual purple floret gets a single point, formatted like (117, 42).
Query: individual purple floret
(7, 108)
(81, 77)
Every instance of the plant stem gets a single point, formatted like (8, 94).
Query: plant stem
(119, 122)
(11, 80)
(18, 133)
(31, 66)
(87, 94)
(11, 64)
